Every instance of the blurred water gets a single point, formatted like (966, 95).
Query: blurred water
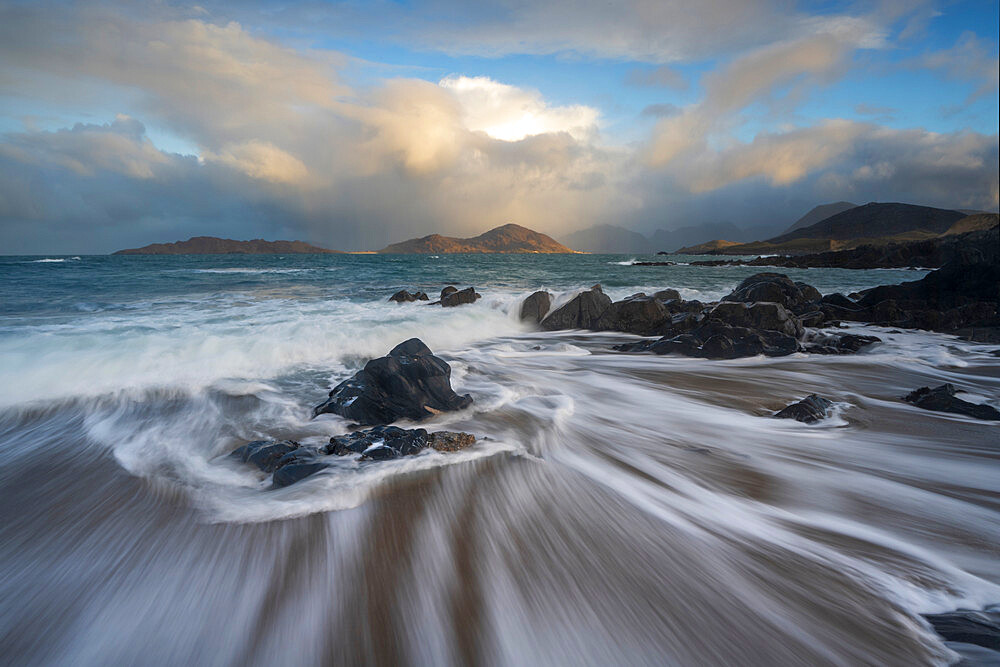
(619, 509)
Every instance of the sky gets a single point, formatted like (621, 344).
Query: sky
(356, 124)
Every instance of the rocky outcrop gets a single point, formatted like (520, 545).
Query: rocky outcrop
(638, 314)
(810, 409)
(943, 399)
(508, 238)
(776, 288)
(289, 462)
(759, 315)
(536, 307)
(459, 297)
(409, 383)
(402, 296)
(582, 312)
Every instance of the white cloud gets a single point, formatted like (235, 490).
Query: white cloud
(510, 113)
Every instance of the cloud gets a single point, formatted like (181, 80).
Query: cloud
(663, 76)
(261, 160)
(665, 110)
(970, 59)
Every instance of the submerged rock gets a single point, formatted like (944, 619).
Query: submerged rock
(972, 633)
(459, 297)
(409, 383)
(536, 307)
(297, 465)
(402, 296)
(402, 442)
(582, 312)
(837, 343)
(943, 399)
(264, 454)
(810, 409)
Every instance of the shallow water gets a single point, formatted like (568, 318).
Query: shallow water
(618, 509)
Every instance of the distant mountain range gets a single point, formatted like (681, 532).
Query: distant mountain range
(211, 245)
(508, 238)
(608, 239)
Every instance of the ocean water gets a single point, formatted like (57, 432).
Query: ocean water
(618, 509)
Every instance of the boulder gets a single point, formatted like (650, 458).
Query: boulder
(402, 442)
(970, 627)
(943, 399)
(402, 296)
(837, 343)
(714, 339)
(459, 297)
(839, 300)
(264, 454)
(638, 314)
(536, 307)
(409, 383)
(774, 288)
(582, 312)
(667, 295)
(810, 409)
(813, 318)
(296, 466)
(450, 289)
(760, 315)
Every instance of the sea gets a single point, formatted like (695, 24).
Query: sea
(617, 509)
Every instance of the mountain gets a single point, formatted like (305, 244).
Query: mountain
(211, 245)
(668, 240)
(876, 221)
(609, 239)
(975, 222)
(707, 248)
(505, 239)
(820, 213)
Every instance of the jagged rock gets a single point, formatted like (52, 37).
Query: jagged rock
(582, 312)
(403, 442)
(943, 399)
(409, 383)
(459, 297)
(536, 307)
(402, 296)
(837, 343)
(774, 288)
(667, 295)
(638, 314)
(264, 454)
(760, 315)
(810, 409)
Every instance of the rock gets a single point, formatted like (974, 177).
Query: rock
(714, 339)
(582, 312)
(536, 307)
(264, 454)
(837, 343)
(761, 315)
(654, 263)
(450, 289)
(402, 296)
(942, 399)
(774, 288)
(839, 300)
(638, 314)
(459, 297)
(813, 318)
(809, 292)
(970, 627)
(409, 383)
(403, 442)
(451, 441)
(296, 466)
(667, 295)
(810, 409)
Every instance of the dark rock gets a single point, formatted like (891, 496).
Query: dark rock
(813, 318)
(837, 343)
(450, 289)
(654, 263)
(772, 287)
(536, 307)
(809, 292)
(459, 297)
(839, 300)
(810, 409)
(761, 315)
(264, 454)
(943, 399)
(582, 312)
(969, 626)
(296, 466)
(410, 382)
(639, 314)
(451, 441)
(667, 295)
(402, 296)
(404, 442)
(714, 339)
